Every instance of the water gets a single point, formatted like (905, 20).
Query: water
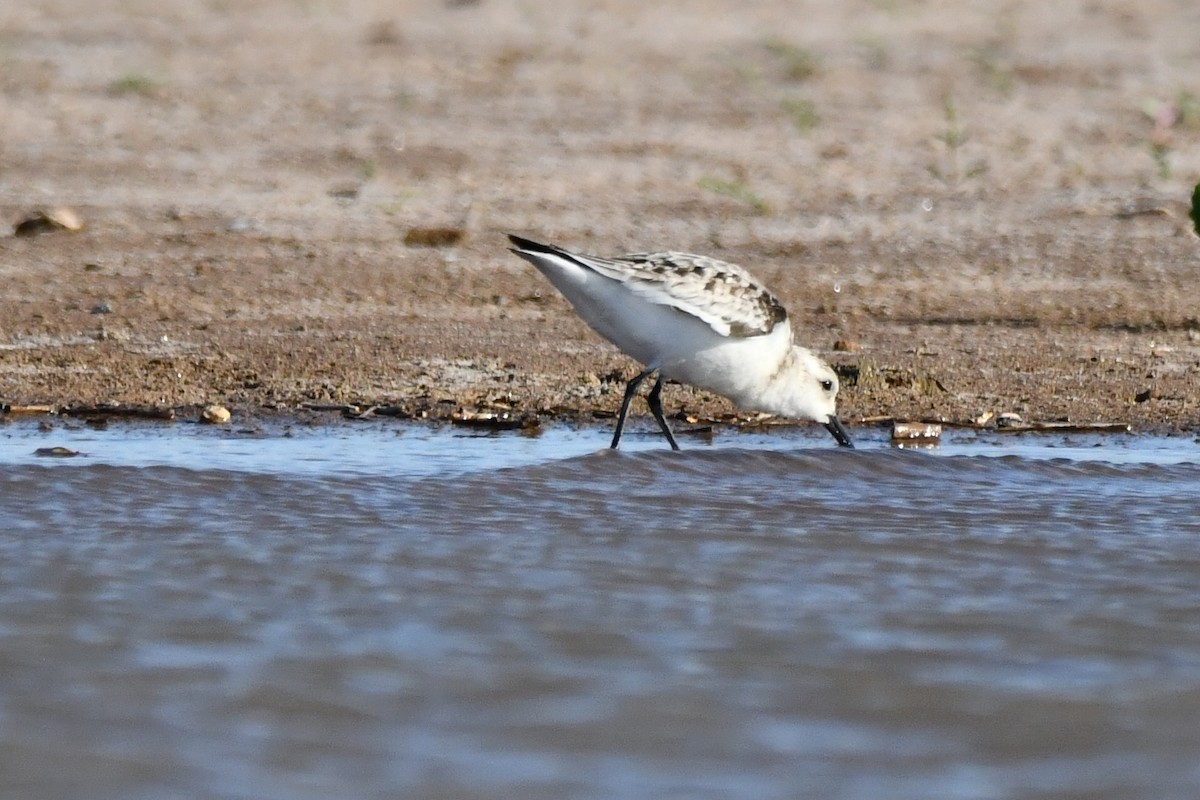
(386, 611)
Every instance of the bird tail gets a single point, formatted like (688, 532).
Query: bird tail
(527, 247)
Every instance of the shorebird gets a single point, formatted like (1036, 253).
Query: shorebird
(696, 320)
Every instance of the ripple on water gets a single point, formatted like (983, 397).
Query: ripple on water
(720, 622)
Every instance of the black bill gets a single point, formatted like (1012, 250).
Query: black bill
(834, 426)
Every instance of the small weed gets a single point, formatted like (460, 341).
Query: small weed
(404, 99)
(953, 137)
(136, 83)
(1164, 116)
(1189, 110)
(736, 190)
(1161, 153)
(400, 200)
(803, 113)
(799, 64)
(367, 169)
(748, 74)
(998, 72)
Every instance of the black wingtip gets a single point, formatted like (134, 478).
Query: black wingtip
(529, 245)
(528, 249)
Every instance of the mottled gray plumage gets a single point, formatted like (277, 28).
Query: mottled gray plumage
(723, 295)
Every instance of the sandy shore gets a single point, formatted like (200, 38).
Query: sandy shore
(969, 208)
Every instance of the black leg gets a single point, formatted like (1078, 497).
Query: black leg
(630, 391)
(655, 401)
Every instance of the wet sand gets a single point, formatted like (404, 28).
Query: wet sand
(969, 209)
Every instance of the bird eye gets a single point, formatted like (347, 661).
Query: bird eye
(827, 385)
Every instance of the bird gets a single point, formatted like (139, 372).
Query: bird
(698, 321)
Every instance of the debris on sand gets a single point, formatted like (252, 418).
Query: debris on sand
(215, 415)
(43, 221)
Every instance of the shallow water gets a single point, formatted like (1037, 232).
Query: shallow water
(391, 611)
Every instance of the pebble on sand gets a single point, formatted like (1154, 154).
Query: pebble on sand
(43, 221)
(215, 415)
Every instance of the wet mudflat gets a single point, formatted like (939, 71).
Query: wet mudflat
(402, 611)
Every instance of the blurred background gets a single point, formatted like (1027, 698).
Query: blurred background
(628, 125)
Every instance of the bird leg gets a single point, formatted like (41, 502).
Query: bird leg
(630, 391)
(655, 402)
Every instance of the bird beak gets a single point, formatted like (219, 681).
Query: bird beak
(834, 426)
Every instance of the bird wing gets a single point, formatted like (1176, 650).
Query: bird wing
(724, 296)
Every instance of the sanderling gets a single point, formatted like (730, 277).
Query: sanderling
(696, 320)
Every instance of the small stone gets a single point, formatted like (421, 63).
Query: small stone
(56, 219)
(433, 237)
(241, 225)
(846, 346)
(215, 415)
(56, 452)
(1143, 396)
(104, 307)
